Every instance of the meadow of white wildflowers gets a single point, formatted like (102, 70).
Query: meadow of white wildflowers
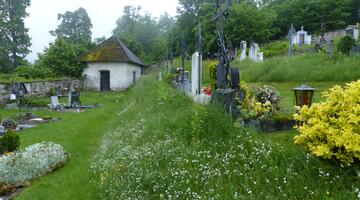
(167, 148)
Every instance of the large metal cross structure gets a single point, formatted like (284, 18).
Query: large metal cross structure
(291, 36)
(222, 12)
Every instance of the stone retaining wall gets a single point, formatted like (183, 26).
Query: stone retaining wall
(39, 88)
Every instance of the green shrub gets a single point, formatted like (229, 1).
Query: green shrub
(276, 48)
(35, 102)
(345, 45)
(9, 124)
(331, 129)
(34, 72)
(212, 74)
(52, 92)
(9, 142)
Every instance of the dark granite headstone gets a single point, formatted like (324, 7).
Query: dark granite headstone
(221, 77)
(228, 99)
(75, 99)
(235, 78)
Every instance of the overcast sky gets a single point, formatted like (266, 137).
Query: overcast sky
(103, 14)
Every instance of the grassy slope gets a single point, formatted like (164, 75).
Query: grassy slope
(169, 147)
(309, 67)
(80, 134)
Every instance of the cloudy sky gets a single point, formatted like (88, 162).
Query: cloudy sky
(103, 14)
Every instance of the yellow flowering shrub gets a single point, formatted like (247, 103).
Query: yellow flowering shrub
(331, 129)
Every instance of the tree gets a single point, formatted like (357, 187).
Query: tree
(143, 34)
(61, 58)
(99, 40)
(75, 27)
(14, 38)
(248, 22)
(334, 14)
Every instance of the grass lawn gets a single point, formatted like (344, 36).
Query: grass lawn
(80, 135)
(154, 143)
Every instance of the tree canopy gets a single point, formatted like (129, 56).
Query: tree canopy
(14, 38)
(143, 34)
(75, 27)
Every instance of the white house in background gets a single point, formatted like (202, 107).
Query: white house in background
(302, 37)
(353, 31)
(111, 66)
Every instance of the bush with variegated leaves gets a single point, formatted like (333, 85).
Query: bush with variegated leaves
(331, 129)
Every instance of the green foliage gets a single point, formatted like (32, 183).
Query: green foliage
(212, 74)
(259, 102)
(276, 48)
(198, 123)
(61, 58)
(75, 27)
(158, 150)
(309, 67)
(34, 72)
(31, 101)
(331, 129)
(268, 94)
(345, 45)
(14, 38)
(9, 124)
(248, 22)
(9, 142)
(310, 14)
(143, 34)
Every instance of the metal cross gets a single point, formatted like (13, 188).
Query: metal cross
(183, 47)
(220, 16)
(322, 32)
(167, 59)
(291, 35)
(171, 59)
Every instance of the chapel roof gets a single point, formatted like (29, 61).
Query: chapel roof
(111, 50)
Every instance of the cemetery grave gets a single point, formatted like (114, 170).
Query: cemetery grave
(246, 103)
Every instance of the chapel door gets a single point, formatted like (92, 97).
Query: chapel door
(104, 81)
(134, 77)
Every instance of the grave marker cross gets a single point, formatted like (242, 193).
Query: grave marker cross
(291, 36)
(222, 12)
(183, 47)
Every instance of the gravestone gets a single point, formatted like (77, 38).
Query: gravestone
(227, 99)
(75, 99)
(54, 102)
(291, 36)
(196, 74)
(221, 76)
(243, 50)
(261, 57)
(330, 48)
(235, 78)
(185, 85)
(255, 54)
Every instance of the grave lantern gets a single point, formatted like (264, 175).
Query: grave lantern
(304, 95)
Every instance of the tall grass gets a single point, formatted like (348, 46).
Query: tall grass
(166, 147)
(308, 67)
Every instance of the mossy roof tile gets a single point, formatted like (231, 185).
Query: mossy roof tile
(111, 50)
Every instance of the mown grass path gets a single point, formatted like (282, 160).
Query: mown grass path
(80, 134)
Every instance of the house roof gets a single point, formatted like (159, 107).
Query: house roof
(111, 50)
